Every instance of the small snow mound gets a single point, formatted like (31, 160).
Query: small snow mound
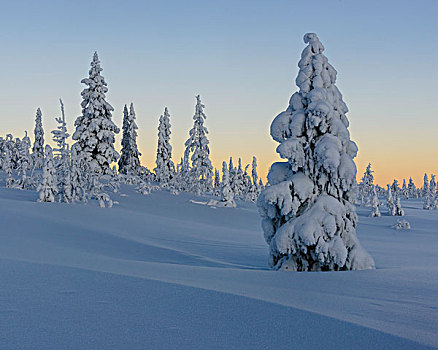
(221, 204)
(402, 225)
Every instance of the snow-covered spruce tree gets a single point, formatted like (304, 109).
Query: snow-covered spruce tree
(255, 186)
(395, 188)
(94, 134)
(238, 180)
(24, 163)
(375, 204)
(390, 203)
(62, 158)
(425, 185)
(247, 186)
(165, 170)
(412, 189)
(38, 145)
(397, 208)
(186, 183)
(366, 186)
(129, 163)
(227, 196)
(432, 183)
(217, 183)
(427, 196)
(7, 166)
(254, 174)
(309, 220)
(405, 190)
(77, 178)
(60, 134)
(47, 187)
(125, 132)
(197, 143)
(231, 173)
(432, 191)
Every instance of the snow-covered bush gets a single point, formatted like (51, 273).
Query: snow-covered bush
(98, 192)
(143, 187)
(95, 130)
(402, 224)
(309, 220)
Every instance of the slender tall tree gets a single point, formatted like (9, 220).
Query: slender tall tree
(197, 145)
(227, 196)
(62, 158)
(38, 145)
(165, 170)
(129, 162)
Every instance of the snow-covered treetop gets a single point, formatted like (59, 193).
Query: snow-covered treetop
(60, 135)
(368, 177)
(312, 132)
(97, 88)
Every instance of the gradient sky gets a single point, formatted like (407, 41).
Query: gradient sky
(241, 56)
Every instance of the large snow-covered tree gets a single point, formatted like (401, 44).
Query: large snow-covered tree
(129, 162)
(197, 145)
(94, 134)
(309, 219)
(165, 170)
(38, 145)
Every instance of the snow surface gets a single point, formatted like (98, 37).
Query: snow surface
(159, 272)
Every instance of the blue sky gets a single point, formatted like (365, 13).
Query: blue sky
(241, 56)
